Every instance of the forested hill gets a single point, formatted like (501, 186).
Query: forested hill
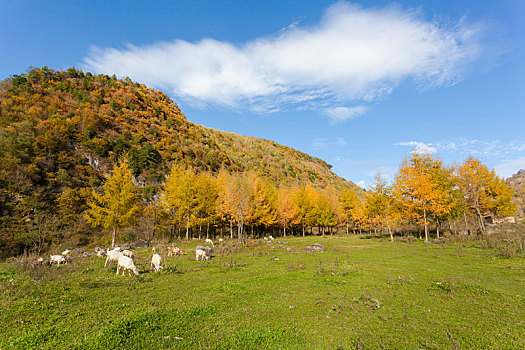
(54, 121)
(64, 130)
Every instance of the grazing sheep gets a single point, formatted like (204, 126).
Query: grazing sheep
(155, 262)
(127, 264)
(203, 253)
(271, 238)
(200, 254)
(209, 241)
(39, 262)
(128, 253)
(100, 251)
(221, 240)
(66, 252)
(175, 251)
(59, 259)
(112, 255)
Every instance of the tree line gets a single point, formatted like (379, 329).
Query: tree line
(425, 195)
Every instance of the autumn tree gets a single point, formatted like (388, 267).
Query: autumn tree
(349, 202)
(418, 187)
(264, 197)
(324, 215)
(118, 205)
(483, 191)
(305, 198)
(235, 196)
(381, 203)
(287, 210)
(448, 204)
(179, 197)
(207, 196)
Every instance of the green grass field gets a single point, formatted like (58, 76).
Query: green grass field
(359, 294)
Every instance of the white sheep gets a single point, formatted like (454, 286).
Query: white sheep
(203, 253)
(112, 255)
(155, 262)
(127, 264)
(59, 259)
(221, 240)
(101, 252)
(209, 241)
(200, 255)
(128, 253)
(66, 252)
(271, 238)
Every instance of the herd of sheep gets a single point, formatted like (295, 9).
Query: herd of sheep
(125, 257)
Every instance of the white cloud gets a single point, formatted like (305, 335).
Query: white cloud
(510, 167)
(494, 148)
(352, 54)
(419, 147)
(340, 114)
(323, 143)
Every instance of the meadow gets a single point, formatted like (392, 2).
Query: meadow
(363, 292)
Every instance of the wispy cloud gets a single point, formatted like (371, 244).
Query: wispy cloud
(324, 143)
(464, 146)
(510, 167)
(353, 55)
(340, 114)
(419, 147)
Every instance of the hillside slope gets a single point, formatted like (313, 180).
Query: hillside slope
(517, 183)
(62, 131)
(48, 117)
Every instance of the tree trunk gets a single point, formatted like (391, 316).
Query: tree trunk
(154, 224)
(480, 220)
(113, 236)
(426, 224)
(231, 229)
(284, 231)
(188, 229)
(437, 227)
(389, 229)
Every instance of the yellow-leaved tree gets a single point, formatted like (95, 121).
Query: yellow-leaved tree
(235, 199)
(349, 202)
(179, 197)
(305, 198)
(483, 191)
(382, 204)
(207, 196)
(117, 207)
(288, 213)
(419, 187)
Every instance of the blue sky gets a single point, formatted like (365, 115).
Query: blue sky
(359, 84)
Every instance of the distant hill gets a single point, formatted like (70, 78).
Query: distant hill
(64, 130)
(517, 183)
(60, 120)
